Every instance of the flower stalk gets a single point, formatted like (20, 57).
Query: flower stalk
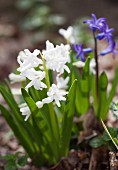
(97, 66)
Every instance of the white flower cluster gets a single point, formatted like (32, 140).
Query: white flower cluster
(32, 68)
(57, 57)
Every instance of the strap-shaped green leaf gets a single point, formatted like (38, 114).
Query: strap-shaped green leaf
(30, 134)
(83, 88)
(113, 90)
(103, 83)
(18, 120)
(41, 124)
(36, 115)
(18, 131)
(67, 120)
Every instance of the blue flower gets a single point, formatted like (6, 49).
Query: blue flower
(111, 49)
(96, 23)
(80, 51)
(107, 33)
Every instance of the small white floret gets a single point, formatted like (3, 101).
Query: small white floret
(14, 78)
(24, 109)
(68, 34)
(62, 83)
(36, 78)
(55, 94)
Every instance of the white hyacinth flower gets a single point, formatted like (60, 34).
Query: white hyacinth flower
(24, 109)
(55, 94)
(62, 83)
(68, 34)
(28, 60)
(36, 77)
(14, 78)
(57, 57)
(81, 64)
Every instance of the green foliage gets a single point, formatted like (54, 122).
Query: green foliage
(96, 142)
(111, 134)
(109, 138)
(15, 161)
(86, 88)
(102, 104)
(67, 120)
(83, 89)
(43, 136)
(38, 15)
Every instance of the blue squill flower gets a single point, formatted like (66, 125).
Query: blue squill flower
(111, 49)
(107, 34)
(80, 51)
(96, 23)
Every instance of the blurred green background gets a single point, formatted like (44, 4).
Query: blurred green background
(29, 23)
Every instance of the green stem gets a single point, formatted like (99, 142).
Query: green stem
(53, 119)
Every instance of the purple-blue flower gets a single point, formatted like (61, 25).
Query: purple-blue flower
(107, 33)
(96, 23)
(111, 49)
(80, 51)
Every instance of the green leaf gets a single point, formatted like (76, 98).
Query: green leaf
(112, 139)
(40, 120)
(96, 142)
(41, 126)
(103, 83)
(19, 131)
(22, 161)
(116, 141)
(113, 89)
(23, 130)
(9, 157)
(11, 165)
(8, 97)
(113, 133)
(83, 89)
(67, 120)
